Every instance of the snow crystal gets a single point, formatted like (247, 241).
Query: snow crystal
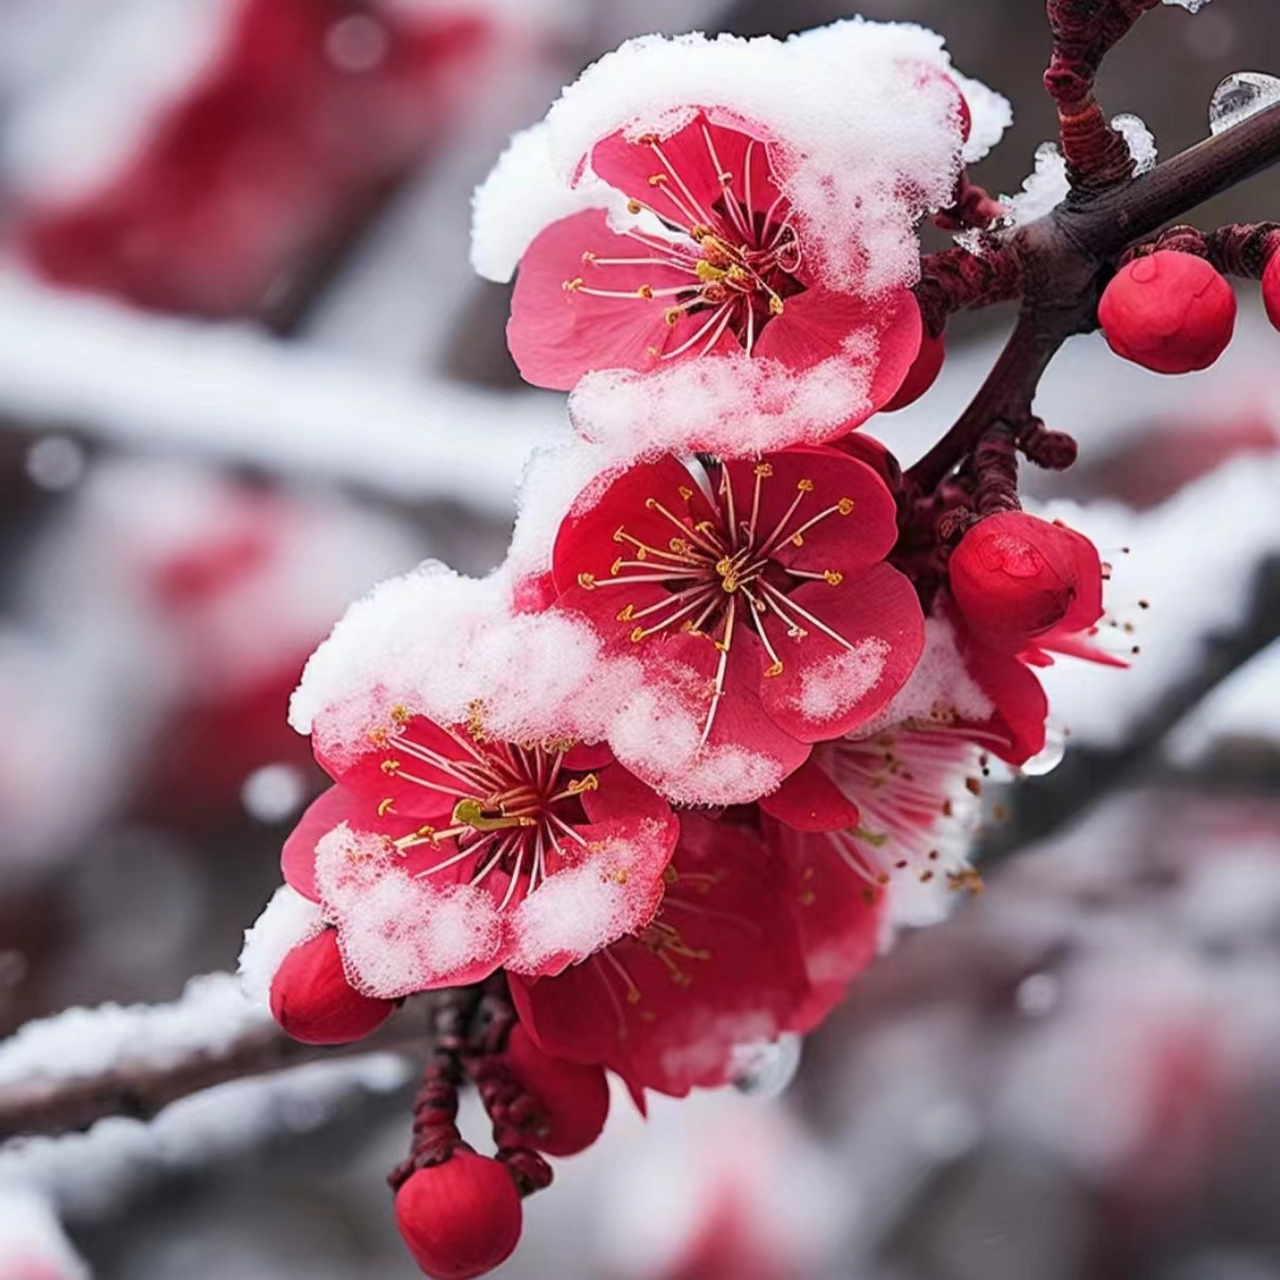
(1141, 141)
(733, 406)
(211, 1014)
(1043, 191)
(831, 687)
(287, 920)
(863, 143)
(398, 933)
(32, 1245)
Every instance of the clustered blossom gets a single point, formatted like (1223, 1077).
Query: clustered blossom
(664, 785)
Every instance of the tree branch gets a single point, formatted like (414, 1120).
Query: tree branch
(1066, 259)
(141, 1090)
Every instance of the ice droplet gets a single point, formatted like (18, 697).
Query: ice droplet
(1240, 96)
(1191, 6)
(1050, 757)
(1141, 142)
(765, 1069)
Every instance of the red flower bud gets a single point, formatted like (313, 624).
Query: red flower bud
(313, 1001)
(1271, 289)
(573, 1100)
(922, 374)
(1016, 577)
(461, 1218)
(1170, 312)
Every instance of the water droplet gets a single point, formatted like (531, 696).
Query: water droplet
(1240, 96)
(1191, 6)
(766, 1068)
(1050, 757)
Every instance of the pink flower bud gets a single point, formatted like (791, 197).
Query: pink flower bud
(313, 1001)
(461, 1218)
(573, 1100)
(1169, 312)
(1017, 577)
(922, 374)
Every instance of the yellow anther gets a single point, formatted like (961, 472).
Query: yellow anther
(648, 139)
(650, 503)
(833, 576)
(805, 486)
(685, 492)
(657, 179)
(588, 783)
(679, 546)
(615, 568)
(587, 581)
(571, 286)
(645, 291)
(634, 206)
(626, 613)
(379, 736)
(472, 813)
(774, 670)
(796, 540)
(764, 470)
(399, 713)
(390, 766)
(384, 806)
(708, 273)
(699, 232)
(775, 305)
(845, 506)
(620, 533)
(637, 635)
(672, 315)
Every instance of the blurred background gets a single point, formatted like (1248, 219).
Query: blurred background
(246, 372)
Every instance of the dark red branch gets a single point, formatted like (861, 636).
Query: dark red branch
(957, 280)
(1238, 249)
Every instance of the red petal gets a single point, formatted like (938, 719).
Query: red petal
(837, 914)
(298, 857)
(628, 166)
(809, 801)
(826, 690)
(665, 1010)
(590, 539)
(1020, 703)
(816, 324)
(849, 544)
(557, 335)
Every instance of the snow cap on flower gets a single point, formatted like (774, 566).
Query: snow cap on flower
(749, 201)
(461, 1218)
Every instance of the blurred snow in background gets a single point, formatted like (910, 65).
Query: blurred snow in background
(246, 372)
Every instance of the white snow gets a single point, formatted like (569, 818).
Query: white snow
(862, 142)
(227, 391)
(1141, 141)
(1042, 191)
(212, 1013)
(287, 920)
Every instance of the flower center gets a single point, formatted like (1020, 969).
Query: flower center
(516, 807)
(741, 261)
(723, 573)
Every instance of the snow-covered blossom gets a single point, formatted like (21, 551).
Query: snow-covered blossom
(757, 591)
(750, 201)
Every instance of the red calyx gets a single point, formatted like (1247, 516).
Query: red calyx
(572, 1100)
(461, 1218)
(1016, 577)
(922, 374)
(313, 1001)
(1271, 289)
(1169, 312)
